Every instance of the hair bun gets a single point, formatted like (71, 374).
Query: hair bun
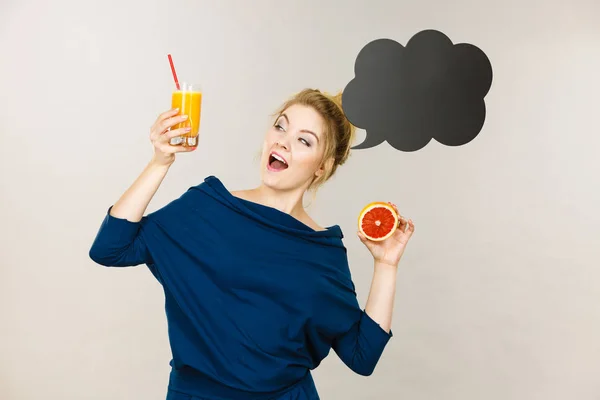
(336, 98)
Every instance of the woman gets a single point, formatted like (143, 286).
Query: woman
(257, 293)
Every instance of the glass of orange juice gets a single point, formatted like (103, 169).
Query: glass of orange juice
(188, 98)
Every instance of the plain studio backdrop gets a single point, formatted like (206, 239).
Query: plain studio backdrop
(498, 292)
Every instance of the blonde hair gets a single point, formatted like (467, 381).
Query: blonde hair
(339, 132)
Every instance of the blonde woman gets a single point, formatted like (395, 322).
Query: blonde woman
(257, 293)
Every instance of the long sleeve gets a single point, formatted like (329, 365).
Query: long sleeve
(361, 347)
(118, 243)
(356, 338)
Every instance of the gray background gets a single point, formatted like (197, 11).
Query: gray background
(498, 293)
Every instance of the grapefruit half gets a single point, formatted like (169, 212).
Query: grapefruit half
(378, 221)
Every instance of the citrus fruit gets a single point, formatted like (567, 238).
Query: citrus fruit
(378, 221)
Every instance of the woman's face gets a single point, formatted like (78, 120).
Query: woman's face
(293, 149)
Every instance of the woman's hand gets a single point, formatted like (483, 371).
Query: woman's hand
(160, 136)
(390, 250)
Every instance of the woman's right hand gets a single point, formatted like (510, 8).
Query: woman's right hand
(160, 136)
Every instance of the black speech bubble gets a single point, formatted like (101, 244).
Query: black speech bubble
(430, 89)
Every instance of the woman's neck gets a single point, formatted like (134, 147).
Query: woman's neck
(287, 201)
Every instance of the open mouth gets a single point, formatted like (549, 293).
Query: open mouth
(277, 163)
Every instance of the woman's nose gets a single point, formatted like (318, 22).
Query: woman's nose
(282, 144)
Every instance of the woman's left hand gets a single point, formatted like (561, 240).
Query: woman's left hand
(390, 250)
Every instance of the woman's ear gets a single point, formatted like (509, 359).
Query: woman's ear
(326, 166)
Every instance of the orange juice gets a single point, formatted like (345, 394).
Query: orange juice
(189, 102)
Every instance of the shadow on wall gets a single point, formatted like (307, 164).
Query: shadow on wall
(428, 89)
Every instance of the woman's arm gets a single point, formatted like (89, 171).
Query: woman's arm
(133, 203)
(135, 200)
(380, 303)
(361, 347)
(386, 257)
(118, 242)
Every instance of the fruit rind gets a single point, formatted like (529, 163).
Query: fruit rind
(368, 208)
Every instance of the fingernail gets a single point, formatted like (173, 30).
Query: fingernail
(184, 117)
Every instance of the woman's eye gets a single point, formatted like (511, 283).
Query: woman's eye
(305, 142)
(277, 126)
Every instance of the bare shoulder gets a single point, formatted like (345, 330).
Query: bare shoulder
(240, 193)
(244, 194)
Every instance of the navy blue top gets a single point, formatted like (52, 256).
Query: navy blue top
(254, 298)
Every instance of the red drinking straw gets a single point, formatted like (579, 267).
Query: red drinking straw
(174, 73)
